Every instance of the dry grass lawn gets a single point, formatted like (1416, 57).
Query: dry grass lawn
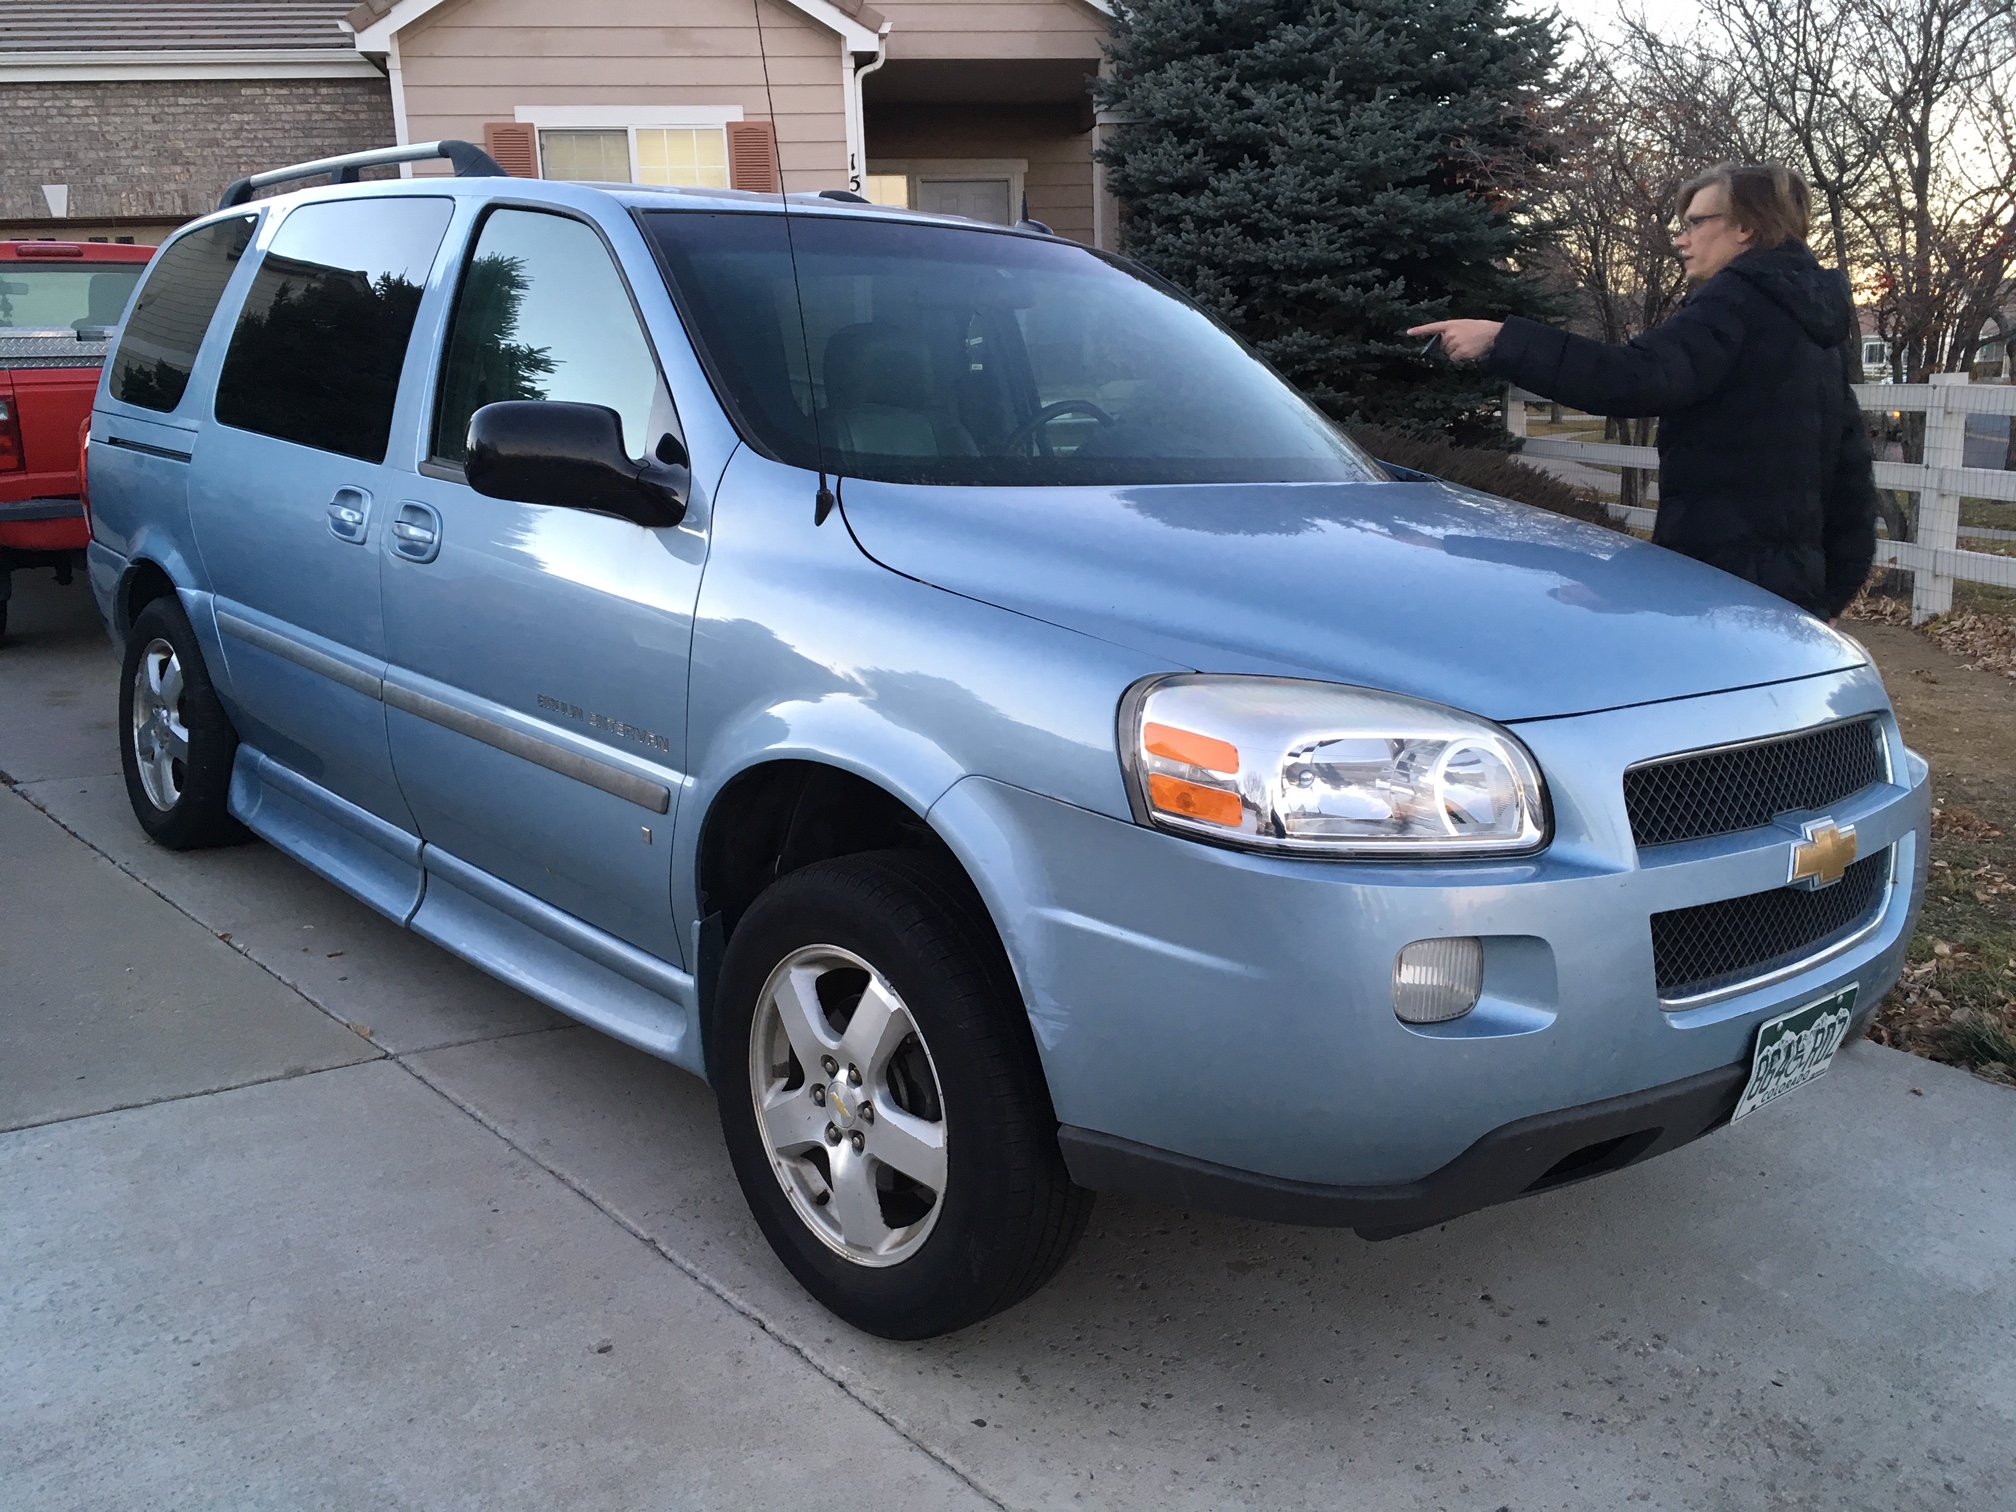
(1954, 687)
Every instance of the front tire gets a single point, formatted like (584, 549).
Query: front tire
(882, 1101)
(176, 743)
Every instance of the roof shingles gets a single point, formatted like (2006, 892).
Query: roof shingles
(86, 26)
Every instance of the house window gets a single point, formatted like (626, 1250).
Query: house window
(682, 146)
(693, 157)
(597, 157)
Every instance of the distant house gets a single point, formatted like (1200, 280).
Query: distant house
(126, 117)
(1992, 359)
(1875, 356)
(974, 107)
(1998, 345)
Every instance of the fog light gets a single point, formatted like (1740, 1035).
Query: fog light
(1438, 980)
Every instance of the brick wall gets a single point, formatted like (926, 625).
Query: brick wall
(168, 147)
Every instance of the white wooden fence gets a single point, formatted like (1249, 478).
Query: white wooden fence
(1935, 560)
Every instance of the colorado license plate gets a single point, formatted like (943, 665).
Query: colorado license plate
(1794, 1049)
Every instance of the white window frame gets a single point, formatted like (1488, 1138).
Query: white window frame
(628, 119)
(921, 171)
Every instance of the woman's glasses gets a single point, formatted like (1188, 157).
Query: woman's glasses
(1689, 224)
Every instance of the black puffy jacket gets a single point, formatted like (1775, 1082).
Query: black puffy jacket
(1764, 466)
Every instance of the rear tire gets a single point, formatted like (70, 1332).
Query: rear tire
(176, 744)
(929, 1193)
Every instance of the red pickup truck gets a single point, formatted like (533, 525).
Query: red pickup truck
(58, 303)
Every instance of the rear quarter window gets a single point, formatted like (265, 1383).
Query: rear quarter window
(318, 349)
(165, 330)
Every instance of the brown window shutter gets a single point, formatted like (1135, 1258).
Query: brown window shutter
(514, 146)
(752, 156)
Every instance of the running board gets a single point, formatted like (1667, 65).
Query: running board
(566, 964)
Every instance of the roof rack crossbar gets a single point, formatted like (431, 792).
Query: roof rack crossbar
(470, 161)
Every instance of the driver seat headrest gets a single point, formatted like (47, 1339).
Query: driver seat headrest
(875, 364)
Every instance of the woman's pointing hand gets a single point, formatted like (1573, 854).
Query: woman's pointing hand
(1463, 340)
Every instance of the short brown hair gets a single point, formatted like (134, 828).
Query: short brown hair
(1768, 200)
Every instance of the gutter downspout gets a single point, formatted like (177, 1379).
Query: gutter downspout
(389, 62)
(857, 123)
(397, 76)
(1105, 209)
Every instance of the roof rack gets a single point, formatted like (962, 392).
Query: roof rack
(470, 161)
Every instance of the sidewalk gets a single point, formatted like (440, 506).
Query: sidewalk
(297, 1211)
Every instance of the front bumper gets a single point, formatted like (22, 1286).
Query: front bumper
(1227, 1012)
(1530, 1155)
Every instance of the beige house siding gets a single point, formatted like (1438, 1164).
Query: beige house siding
(1058, 180)
(993, 29)
(473, 61)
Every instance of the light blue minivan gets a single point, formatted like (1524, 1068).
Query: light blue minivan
(932, 681)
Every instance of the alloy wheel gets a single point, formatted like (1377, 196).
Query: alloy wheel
(160, 738)
(849, 1106)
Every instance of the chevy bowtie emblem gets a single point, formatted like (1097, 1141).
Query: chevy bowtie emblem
(1825, 853)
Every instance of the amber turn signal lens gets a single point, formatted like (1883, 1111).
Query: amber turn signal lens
(1193, 800)
(1188, 745)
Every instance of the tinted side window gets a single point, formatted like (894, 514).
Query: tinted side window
(323, 334)
(543, 314)
(184, 283)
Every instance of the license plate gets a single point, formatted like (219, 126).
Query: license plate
(1795, 1048)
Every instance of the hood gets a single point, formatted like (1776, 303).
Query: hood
(1817, 298)
(1416, 588)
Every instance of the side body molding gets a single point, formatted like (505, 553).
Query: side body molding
(596, 771)
(631, 780)
(357, 677)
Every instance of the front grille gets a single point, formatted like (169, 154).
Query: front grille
(1713, 946)
(1739, 787)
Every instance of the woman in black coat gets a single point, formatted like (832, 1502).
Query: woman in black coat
(1764, 467)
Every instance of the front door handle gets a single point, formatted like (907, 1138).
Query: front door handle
(416, 532)
(350, 515)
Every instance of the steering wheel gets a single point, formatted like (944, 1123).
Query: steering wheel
(1050, 412)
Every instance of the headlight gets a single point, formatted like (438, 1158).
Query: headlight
(1312, 768)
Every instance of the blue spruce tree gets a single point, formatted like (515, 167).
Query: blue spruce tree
(1323, 174)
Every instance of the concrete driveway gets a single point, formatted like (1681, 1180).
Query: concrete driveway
(297, 1211)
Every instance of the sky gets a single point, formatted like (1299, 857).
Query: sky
(1600, 16)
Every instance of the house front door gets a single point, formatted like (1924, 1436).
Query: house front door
(984, 199)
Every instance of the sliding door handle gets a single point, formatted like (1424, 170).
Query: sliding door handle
(350, 515)
(416, 532)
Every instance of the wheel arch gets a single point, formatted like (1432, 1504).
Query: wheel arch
(144, 581)
(777, 816)
(774, 817)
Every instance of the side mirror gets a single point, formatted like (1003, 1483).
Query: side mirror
(547, 451)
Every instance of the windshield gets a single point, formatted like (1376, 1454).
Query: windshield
(78, 297)
(942, 355)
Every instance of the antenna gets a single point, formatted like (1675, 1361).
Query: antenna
(826, 498)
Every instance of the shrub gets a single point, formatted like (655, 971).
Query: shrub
(1323, 174)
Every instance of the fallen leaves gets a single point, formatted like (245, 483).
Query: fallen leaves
(1979, 642)
(1952, 822)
